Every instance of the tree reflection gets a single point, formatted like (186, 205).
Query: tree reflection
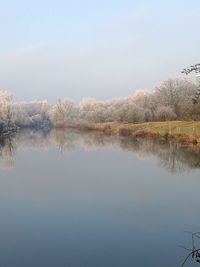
(173, 157)
(7, 154)
(64, 140)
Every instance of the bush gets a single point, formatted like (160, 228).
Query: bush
(164, 114)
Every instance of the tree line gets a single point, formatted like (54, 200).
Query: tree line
(172, 100)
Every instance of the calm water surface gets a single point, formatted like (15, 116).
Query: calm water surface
(91, 200)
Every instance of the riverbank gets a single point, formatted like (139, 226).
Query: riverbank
(186, 132)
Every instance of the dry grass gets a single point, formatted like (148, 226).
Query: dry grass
(180, 131)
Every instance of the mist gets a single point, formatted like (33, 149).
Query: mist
(108, 51)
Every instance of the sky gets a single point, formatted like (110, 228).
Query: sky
(103, 49)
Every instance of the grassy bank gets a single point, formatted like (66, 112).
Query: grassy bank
(180, 131)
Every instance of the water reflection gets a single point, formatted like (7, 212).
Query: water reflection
(7, 154)
(173, 157)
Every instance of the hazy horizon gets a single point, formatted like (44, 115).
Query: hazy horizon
(100, 49)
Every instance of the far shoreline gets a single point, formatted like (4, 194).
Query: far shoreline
(184, 132)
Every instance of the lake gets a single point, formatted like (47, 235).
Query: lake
(85, 199)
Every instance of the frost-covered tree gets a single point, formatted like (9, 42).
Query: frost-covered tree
(32, 114)
(165, 113)
(91, 110)
(135, 114)
(177, 94)
(5, 109)
(171, 100)
(64, 112)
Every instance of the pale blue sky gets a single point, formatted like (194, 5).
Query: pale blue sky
(51, 49)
